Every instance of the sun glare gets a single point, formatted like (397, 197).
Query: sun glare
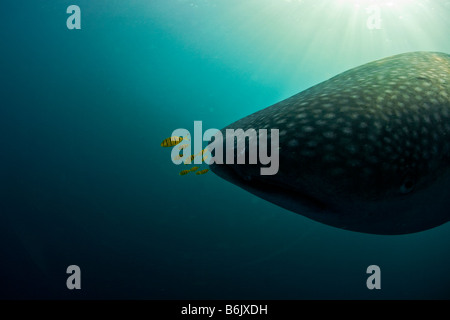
(381, 3)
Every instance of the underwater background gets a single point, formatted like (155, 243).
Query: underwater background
(84, 180)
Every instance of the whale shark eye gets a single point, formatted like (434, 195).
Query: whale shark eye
(407, 186)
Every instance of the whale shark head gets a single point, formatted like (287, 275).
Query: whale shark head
(367, 150)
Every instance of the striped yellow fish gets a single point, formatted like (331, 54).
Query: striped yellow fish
(184, 172)
(172, 141)
(191, 158)
(193, 169)
(202, 171)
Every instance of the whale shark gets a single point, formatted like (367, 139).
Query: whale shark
(367, 150)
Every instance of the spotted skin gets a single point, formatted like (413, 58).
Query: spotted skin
(367, 150)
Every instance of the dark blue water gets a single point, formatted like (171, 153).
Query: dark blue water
(84, 181)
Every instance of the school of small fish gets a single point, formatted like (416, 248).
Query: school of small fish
(174, 141)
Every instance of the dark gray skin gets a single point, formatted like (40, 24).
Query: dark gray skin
(367, 150)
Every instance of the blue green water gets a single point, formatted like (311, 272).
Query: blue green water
(84, 181)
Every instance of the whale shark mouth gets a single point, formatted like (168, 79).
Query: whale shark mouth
(273, 191)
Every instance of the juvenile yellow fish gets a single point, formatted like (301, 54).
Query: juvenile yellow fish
(172, 141)
(193, 169)
(184, 172)
(191, 158)
(202, 171)
(183, 146)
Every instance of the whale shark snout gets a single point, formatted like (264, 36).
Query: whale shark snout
(367, 150)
